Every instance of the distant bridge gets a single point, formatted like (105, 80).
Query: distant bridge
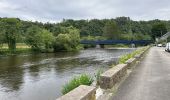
(110, 42)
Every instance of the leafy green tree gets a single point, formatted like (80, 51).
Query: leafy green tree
(11, 29)
(47, 38)
(124, 24)
(33, 38)
(62, 42)
(158, 30)
(68, 40)
(39, 38)
(111, 31)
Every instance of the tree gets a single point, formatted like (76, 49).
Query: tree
(158, 30)
(68, 40)
(39, 38)
(2, 39)
(124, 24)
(47, 38)
(11, 29)
(111, 31)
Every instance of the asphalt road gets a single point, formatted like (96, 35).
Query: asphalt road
(150, 80)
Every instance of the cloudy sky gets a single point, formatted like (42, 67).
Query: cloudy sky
(56, 10)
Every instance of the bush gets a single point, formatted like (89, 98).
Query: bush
(77, 81)
(67, 41)
(39, 39)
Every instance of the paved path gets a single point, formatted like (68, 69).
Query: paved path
(150, 80)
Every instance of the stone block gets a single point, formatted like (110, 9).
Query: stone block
(112, 76)
(82, 92)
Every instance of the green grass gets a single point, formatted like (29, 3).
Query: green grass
(124, 58)
(20, 48)
(18, 45)
(6, 51)
(77, 81)
(97, 75)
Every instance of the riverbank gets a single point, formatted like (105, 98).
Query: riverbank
(40, 76)
(24, 49)
(7, 52)
(111, 78)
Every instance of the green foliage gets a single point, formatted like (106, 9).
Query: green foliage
(47, 39)
(68, 40)
(39, 39)
(168, 39)
(5, 51)
(158, 30)
(77, 81)
(2, 39)
(97, 75)
(124, 24)
(14, 30)
(111, 31)
(11, 29)
(124, 58)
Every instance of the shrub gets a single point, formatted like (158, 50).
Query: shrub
(77, 81)
(68, 40)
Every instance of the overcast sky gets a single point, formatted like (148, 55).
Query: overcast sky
(56, 10)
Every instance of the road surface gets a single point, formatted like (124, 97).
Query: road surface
(150, 80)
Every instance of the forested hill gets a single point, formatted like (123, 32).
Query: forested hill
(122, 28)
(94, 27)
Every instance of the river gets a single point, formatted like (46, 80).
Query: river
(41, 76)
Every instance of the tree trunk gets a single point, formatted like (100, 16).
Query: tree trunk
(12, 44)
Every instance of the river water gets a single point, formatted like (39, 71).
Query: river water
(41, 76)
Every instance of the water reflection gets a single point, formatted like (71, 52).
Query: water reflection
(41, 76)
(11, 76)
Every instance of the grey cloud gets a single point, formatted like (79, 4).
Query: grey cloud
(56, 10)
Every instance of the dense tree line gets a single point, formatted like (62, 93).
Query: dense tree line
(67, 34)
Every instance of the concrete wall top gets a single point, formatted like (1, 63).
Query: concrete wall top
(130, 60)
(111, 72)
(79, 93)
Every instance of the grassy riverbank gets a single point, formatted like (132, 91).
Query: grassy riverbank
(77, 81)
(20, 49)
(5, 51)
(124, 58)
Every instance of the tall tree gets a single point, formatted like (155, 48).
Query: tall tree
(68, 40)
(124, 23)
(111, 31)
(11, 29)
(158, 30)
(39, 38)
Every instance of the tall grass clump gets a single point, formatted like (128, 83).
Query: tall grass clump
(124, 58)
(83, 79)
(97, 75)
